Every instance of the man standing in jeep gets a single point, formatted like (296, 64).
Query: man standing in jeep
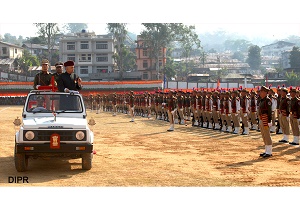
(69, 80)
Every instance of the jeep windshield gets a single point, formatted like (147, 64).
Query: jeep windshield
(47, 103)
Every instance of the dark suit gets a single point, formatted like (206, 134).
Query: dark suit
(66, 80)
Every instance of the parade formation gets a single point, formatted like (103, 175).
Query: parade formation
(236, 111)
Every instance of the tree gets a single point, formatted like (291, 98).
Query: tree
(293, 79)
(238, 55)
(25, 61)
(160, 35)
(48, 31)
(237, 45)
(295, 57)
(254, 58)
(119, 32)
(75, 27)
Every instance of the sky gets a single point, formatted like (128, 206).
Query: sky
(253, 18)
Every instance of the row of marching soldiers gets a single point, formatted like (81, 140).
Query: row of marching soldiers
(228, 111)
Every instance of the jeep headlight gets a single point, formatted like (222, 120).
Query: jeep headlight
(29, 135)
(79, 135)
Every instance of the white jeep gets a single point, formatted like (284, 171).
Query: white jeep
(53, 124)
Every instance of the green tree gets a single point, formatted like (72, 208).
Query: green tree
(119, 32)
(239, 56)
(48, 31)
(75, 27)
(254, 58)
(237, 45)
(295, 57)
(160, 35)
(26, 61)
(293, 79)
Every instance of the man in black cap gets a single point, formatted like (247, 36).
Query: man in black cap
(265, 118)
(69, 80)
(44, 77)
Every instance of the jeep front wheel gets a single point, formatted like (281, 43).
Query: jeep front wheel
(87, 161)
(21, 162)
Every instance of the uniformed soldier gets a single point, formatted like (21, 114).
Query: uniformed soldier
(59, 70)
(187, 103)
(228, 111)
(279, 124)
(131, 105)
(265, 118)
(208, 109)
(274, 106)
(222, 111)
(284, 109)
(171, 104)
(235, 106)
(215, 110)
(180, 102)
(294, 116)
(244, 104)
(253, 109)
(114, 104)
(44, 77)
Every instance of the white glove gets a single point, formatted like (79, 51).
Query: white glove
(236, 114)
(270, 124)
(172, 112)
(229, 115)
(245, 115)
(67, 90)
(37, 86)
(181, 109)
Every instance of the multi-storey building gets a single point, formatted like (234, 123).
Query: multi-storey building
(145, 63)
(276, 49)
(8, 54)
(92, 54)
(38, 49)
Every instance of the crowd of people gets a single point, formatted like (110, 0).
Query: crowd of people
(238, 111)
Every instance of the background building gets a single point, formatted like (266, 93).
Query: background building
(92, 54)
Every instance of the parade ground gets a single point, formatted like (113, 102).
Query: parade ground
(144, 154)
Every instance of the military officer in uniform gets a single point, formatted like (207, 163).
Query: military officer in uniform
(295, 116)
(244, 104)
(284, 109)
(59, 71)
(131, 106)
(235, 106)
(265, 118)
(171, 104)
(44, 77)
(253, 109)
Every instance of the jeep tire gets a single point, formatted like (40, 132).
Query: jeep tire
(87, 161)
(21, 161)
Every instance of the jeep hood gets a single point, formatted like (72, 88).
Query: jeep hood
(60, 123)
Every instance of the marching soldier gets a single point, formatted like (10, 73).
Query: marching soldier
(180, 101)
(284, 109)
(244, 104)
(194, 103)
(265, 118)
(114, 104)
(253, 109)
(171, 104)
(215, 110)
(187, 103)
(279, 124)
(235, 106)
(208, 109)
(131, 106)
(222, 111)
(295, 116)
(274, 106)
(228, 111)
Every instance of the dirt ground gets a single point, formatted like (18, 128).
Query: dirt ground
(143, 153)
